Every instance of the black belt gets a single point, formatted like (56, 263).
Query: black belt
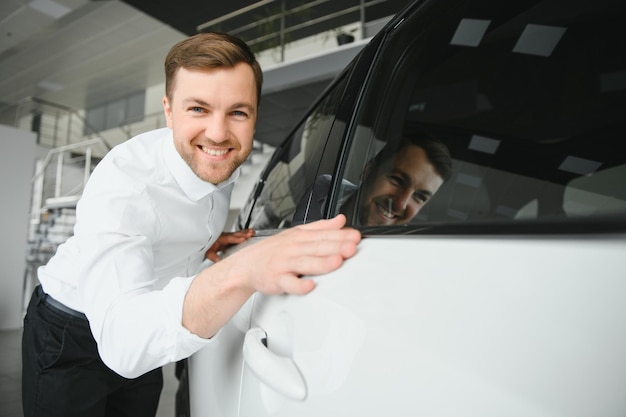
(57, 305)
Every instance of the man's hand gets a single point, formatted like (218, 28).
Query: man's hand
(275, 265)
(225, 240)
(271, 266)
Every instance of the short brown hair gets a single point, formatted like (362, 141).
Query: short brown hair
(436, 152)
(206, 51)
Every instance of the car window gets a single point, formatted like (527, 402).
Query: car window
(529, 105)
(295, 166)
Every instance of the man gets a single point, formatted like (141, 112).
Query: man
(123, 296)
(395, 184)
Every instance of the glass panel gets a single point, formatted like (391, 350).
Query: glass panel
(530, 105)
(115, 113)
(136, 107)
(294, 168)
(95, 120)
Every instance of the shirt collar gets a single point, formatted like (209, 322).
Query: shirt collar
(192, 186)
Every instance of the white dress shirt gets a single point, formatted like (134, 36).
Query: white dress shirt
(143, 225)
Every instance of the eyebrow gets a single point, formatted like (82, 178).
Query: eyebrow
(193, 100)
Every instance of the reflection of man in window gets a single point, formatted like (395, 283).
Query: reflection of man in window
(397, 183)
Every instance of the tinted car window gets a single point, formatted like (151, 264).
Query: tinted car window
(294, 166)
(530, 106)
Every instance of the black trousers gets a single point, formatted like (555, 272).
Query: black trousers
(63, 375)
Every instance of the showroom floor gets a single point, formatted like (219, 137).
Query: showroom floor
(11, 377)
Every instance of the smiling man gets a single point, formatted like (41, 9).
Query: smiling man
(126, 294)
(397, 183)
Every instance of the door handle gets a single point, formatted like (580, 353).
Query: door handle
(277, 372)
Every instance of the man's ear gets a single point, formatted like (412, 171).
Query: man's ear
(167, 110)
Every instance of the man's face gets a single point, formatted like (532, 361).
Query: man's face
(212, 114)
(397, 190)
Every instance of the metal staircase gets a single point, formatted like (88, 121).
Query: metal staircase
(56, 188)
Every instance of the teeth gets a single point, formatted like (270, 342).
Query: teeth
(385, 212)
(214, 152)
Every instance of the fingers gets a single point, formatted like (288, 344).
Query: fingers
(247, 233)
(233, 238)
(227, 239)
(326, 237)
(316, 264)
(336, 222)
(311, 251)
(332, 229)
(294, 285)
(212, 256)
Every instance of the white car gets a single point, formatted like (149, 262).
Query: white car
(505, 295)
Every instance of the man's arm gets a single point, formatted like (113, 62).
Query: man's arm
(272, 266)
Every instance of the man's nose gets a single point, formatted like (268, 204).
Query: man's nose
(403, 199)
(216, 128)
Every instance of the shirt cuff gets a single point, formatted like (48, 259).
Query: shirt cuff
(186, 343)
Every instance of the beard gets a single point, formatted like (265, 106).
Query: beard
(214, 172)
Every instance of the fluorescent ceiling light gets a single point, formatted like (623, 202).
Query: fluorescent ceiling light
(539, 39)
(470, 32)
(579, 166)
(50, 8)
(484, 144)
(50, 86)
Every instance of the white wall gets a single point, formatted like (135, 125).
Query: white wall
(17, 161)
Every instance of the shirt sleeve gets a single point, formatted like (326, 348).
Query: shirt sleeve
(136, 324)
